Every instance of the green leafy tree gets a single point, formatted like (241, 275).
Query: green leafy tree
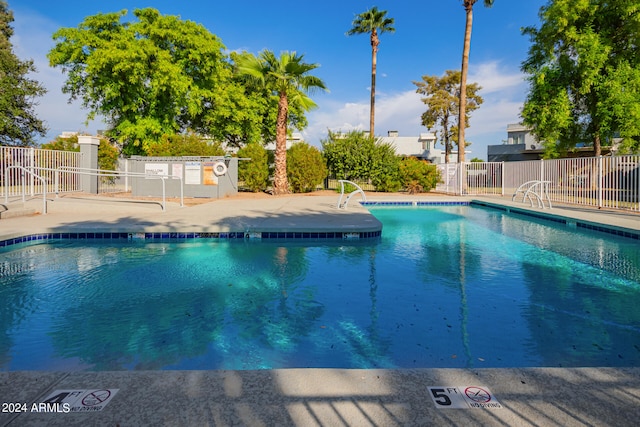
(155, 76)
(63, 144)
(190, 144)
(108, 153)
(462, 125)
(286, 77)
(356, 156)
(254, 173)
(18, 122)
(584, 75)
(305, 167)
(372, 22)
(442, 98)
(418, 175)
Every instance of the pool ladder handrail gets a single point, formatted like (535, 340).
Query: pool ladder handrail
(535, 189)
(109, 173)
(359, 190)
(24, 171)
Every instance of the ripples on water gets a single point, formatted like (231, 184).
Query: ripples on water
(445, 287)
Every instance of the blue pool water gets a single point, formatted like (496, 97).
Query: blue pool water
(453, 286)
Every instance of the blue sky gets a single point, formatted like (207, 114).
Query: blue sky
(428, 40)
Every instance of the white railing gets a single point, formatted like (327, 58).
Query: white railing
(358, 190)
(603, 182)
(23, 184)
(121, 174)
(534, 191)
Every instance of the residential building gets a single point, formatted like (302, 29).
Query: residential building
(521, 144)
(421, 147)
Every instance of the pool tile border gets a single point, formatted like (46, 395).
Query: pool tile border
(569, 222)
(173, 236)
(415, 203)
(315, 236)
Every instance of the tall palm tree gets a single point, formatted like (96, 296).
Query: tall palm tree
(287, 78)
(373, 22)
(468, 7)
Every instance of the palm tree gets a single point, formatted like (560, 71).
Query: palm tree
(287, 78)
(468, 7)
(373, 22)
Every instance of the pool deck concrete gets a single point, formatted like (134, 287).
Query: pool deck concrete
(307, 397)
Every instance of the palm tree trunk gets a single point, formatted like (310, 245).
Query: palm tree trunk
(280, 182)
(462, 117)
(374, 64)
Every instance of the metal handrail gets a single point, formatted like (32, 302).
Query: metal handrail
(35, 175)
(107, 173)
(353, 193)
(529, 189)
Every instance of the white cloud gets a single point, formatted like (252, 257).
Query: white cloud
(503, 93)
(492, 79)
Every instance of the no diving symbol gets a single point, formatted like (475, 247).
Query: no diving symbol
(478, 394)
(96, 397)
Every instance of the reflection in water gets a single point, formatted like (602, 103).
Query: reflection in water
(447, 287)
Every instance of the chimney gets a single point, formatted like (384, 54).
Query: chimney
(392, 133)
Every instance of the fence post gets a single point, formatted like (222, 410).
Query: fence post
(32, 169)
(89, 160)
(502, 178)
(599, 177)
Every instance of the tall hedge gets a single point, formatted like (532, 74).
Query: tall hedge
(254, 173)
(357, 156)
(305, 167)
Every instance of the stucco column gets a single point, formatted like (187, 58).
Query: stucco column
(89, 160)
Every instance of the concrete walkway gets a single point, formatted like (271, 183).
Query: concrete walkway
(303, 397)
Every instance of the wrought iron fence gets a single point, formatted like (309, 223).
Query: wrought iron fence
(41, 162)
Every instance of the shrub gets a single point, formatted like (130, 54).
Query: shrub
(356, 156)
(418, 175)
(305, 167)
(253, 173)
(348, 156)
(385, 168)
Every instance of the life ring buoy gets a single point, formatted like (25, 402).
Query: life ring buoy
(219, 168)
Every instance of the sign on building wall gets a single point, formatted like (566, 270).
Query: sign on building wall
(192, 173)
(176, 170)
(208, 175)
(156, 169)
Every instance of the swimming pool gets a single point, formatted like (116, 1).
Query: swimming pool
(452, 286)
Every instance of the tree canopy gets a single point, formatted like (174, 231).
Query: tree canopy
(442, 98)
(155, 76)
(584, 75)
(18, 122)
